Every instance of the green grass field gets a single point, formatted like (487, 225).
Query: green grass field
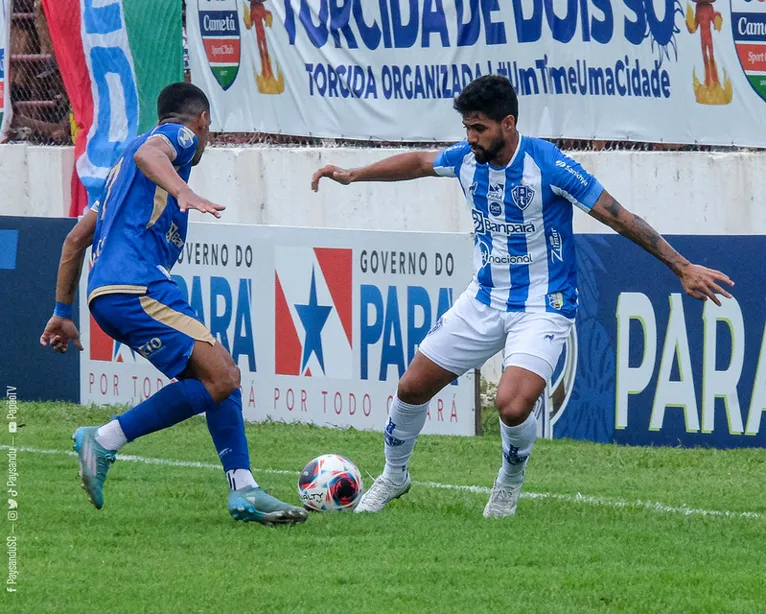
(165, 543)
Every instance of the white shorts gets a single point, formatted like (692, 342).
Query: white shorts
(470, 333)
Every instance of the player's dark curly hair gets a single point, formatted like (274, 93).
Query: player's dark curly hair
(181, 101)
(492, 95)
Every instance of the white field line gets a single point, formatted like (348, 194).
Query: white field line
(653, 506)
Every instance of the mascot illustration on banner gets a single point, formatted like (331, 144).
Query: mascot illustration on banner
(257, 16)
(704, 18)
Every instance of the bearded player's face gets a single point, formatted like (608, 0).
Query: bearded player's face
(485, 136)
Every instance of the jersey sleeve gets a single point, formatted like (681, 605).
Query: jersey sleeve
(449, 160)
(180, 139)
(571, 181)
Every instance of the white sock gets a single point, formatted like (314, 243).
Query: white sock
(240, 478)
(111, 436)
(517, 446)
(405, 422)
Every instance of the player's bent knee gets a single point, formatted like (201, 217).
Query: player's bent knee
(409, 391)
(225, 383)
(233, 374)
(514, 409)
(236, 377)
(422, 381)
(222, 381)
(217, 370)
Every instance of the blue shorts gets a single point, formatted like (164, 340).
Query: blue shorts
(160, 325)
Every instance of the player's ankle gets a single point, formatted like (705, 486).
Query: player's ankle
(240, 478)
(111, 436)
(511, 477)
(396, 475)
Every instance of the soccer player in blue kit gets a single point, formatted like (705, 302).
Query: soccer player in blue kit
(523, 296)
(137, 230)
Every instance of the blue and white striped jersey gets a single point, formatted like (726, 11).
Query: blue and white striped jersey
(524, 254)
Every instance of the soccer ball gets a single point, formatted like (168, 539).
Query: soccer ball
(330, 483)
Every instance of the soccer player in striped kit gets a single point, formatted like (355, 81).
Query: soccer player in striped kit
(523, 296)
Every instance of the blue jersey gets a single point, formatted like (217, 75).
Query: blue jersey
(524, 255)
(140, 230)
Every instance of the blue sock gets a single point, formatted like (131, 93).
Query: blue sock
(171, 405)
(227, 428)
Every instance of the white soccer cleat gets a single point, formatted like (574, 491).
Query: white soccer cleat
(503, 500)
(381, 492)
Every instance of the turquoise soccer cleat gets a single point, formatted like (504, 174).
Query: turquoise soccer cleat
(256, 505)
(95, 460)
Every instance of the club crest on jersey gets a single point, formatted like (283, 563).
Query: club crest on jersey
(185, 137)
(556, 300)
(522, 195)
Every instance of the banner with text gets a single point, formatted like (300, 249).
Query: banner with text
(645, 70)
(115, 57)
(649, 365)
(322, 323)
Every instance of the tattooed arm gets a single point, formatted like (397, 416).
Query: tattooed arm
(698, 281)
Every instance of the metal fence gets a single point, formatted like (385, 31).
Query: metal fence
(263, 139)
(42, 114)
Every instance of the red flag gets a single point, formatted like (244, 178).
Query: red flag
(64, 24)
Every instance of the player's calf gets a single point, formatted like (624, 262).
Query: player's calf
(422, 380)
(406, 418)
(519, 391)
(246, 500)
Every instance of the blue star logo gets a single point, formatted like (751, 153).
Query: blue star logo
(313, 317)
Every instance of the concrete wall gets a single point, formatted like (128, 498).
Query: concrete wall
(689, 193)
(35, 181)
(697, 193)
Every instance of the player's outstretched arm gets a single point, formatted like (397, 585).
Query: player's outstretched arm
(401, 167)
(698, 281)
(155, 160)
(60, 329)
